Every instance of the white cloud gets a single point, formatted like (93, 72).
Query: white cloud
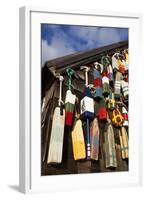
(62, 43)
(96, 35)
(89, 34)
(84, 32)
(57, 48)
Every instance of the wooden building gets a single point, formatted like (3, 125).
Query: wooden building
(50, 94)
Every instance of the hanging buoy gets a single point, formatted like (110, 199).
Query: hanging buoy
(125, 116)
(87, 109)
(125, 88)
(69, 100)
(115, 65)
(94, 138)
(117, 118)
(111, 101)
(105, 84)
(110, 74)
(57, 131)
(121, 66)
(110, 151)
(97, 82)
(87, 105)
(105, 77)
(78, 142)
(102, 111)
(127, 59)
(117, 85)
(69, 107)
(126, 78)
(124, 143)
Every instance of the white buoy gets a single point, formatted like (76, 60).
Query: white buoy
(57, 131)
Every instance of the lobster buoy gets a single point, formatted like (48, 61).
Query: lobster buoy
(122, 68)
(123, 136)
(94, 137)
(117, 118)
(78, 142)
(125, 116)
(110, 73)
(111, 101)
(105, 83)
(87, 105)
(97, 83)
(102, 111)
(125, 88)
(69, 107)
(115, 64)
(109, 147)
(87, 109)
(55, 150)
(127, 59)
(117, 86)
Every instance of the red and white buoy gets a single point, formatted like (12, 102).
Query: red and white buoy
(125, 116)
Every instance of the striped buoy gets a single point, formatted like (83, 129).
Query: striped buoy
(102, 111)
(94, 138)
(105, 83)
(124, 143)
(117, 85)
(125, 88)
(110, 151)
(87, 109)
(69, 107)
(87, 105)
(105, 76)
(97, 82)
(125, 116)
(110, 73)
(69, 100)
(111, 101)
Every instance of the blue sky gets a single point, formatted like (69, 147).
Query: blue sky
(61, 40)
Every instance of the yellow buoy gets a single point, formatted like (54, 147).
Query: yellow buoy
(78, 141)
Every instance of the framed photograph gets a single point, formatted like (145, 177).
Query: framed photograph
(79, 115)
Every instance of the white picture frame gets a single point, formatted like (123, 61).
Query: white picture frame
(30, 101)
